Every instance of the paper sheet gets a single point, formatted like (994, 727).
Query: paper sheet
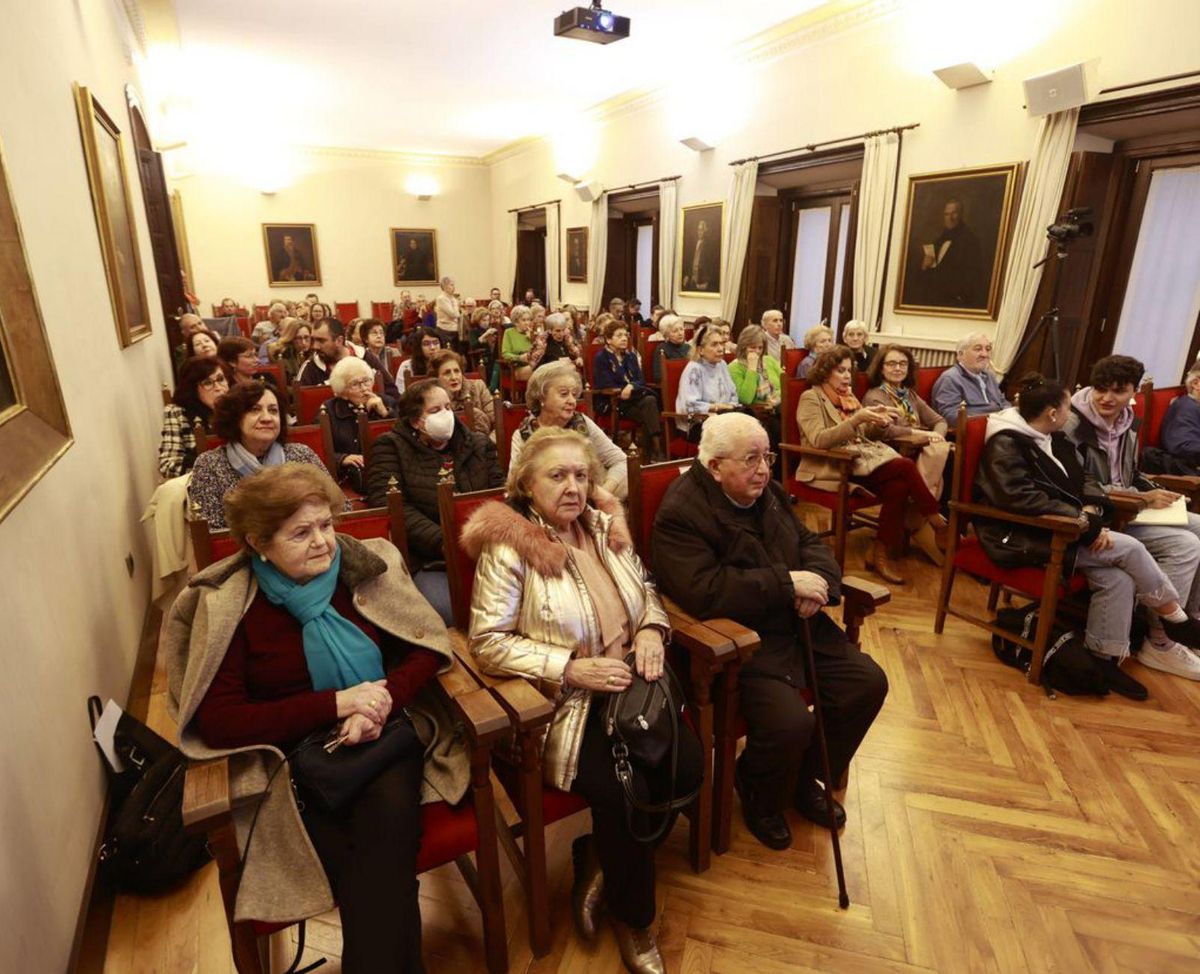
(1175, 514)
(106, 729)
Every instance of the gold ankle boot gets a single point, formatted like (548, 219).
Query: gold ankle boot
(587, 889)
(880, 562)
(639, 950)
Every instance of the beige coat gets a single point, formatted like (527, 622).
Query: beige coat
(474, 395)
(822, 426)
(283, 880)
(530, 611)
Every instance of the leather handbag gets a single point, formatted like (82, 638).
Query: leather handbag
(332, 775)
(642, 723)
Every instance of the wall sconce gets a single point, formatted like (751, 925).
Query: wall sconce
(696, 144)
(422, 187)
(587, 192)
(566, 177)
(965, 75)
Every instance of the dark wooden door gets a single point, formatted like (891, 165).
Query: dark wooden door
(759, 291)
(618, 267)
(531, 262)
(167, 267)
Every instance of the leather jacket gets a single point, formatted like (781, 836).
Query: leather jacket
(531, 612)
(1080, 431)
(1016, 476)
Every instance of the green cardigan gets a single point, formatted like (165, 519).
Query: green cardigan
(746, 382)
(516, 343)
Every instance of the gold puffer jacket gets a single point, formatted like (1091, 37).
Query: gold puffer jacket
(530, 611)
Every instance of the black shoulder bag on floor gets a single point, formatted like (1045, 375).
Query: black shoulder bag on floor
(642, 722)
(145, 849)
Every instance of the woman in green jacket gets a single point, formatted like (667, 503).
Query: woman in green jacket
(757, 377)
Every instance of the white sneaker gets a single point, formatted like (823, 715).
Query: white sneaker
(1175, 659)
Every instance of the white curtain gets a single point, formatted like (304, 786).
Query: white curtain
(668, 229)
(597, 254)
(510, 258)
(737, 220)
(553, 280)
(876, 202)
(1039, 206)
(1163, 296)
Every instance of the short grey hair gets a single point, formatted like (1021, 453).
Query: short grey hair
(517, 311)
(769, 312)
(968, 340)
(446, 280)
(277, 305)
(815, 332)
(720, 435)
(667, 322)
(557, 320)
(545, 376)
(750, 335)
(854, 324)
(346, 371)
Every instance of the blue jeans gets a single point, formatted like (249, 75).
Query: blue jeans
(1176, 548)
(1120, 577)
(435, 586)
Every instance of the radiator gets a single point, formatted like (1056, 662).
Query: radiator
(934, 357)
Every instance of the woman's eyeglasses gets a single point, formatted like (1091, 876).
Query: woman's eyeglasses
(216, 382)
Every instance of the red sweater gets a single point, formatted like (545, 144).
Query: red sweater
(263, 694)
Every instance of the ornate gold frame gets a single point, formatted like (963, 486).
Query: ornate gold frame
(720, 250)
(271, 282)
(1015, 172)
(392, 231)
(91, 115)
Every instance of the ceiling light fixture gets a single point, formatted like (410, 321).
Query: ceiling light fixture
(696, 144)
(965, 75)
(566, 177)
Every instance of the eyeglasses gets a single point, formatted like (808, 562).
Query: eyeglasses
(751, 460)
(215, 382)
(899, 364)
(363, 383)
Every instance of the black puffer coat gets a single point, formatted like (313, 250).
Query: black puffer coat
(415, 465)
(1016, 476)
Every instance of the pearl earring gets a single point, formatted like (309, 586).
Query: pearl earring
(261, 556)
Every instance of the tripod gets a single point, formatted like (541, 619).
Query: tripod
(1049, 320)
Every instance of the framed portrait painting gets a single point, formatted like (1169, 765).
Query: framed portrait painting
(103, 148)
(291, 250)
(414, 256)
(577, 254)
(956, 233)
(700, 250)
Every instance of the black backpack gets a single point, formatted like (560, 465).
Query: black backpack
(1067, 665)
(145, 849)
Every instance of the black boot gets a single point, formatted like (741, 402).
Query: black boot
(771, 828)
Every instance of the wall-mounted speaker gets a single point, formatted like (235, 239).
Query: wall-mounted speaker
(1056, 91)
(589, 191)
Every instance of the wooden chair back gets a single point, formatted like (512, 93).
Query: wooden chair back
(382, 310)
(792, 357)
(260, 312)
(313, 437)
(647, 486)
(369, 430)
(275, 370)
(1156, 403)
(453, 511)
(245, 325)
(308, 400)
(167, 396)
(789, 429)
(346, 311)
(969, 440)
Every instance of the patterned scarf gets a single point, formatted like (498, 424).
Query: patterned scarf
(900, 399)
(246, 463)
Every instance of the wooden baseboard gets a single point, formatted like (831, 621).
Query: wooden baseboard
(90, 944)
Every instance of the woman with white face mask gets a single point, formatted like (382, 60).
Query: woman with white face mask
(428, 446)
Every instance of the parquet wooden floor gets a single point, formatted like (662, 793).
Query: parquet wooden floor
(990, 829)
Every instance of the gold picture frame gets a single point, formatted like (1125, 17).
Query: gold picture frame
(700, 275)
(291, 253)
(104, 158)
(957, 230)
(577, 255)
(423, 258)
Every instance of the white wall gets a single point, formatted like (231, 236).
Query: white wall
(870, 76)
(353, 198)
(71, 615)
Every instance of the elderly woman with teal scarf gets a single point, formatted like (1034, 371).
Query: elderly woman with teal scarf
(303, 633)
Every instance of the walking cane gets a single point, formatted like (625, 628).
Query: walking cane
(811, 665)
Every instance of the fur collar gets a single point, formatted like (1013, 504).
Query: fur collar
(497, 523)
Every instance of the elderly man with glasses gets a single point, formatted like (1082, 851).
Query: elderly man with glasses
(726, 544)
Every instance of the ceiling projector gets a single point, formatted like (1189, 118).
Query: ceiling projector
(592, 23)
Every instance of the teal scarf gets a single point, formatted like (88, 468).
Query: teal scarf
(338, 653)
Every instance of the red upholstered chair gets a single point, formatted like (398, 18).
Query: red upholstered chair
(844, 504)
(308, 399)
(381, 310)
(1150, 407)
(860, 384)
(275, 371)
(312, 437)
(927, 375)
(245, 326)
(674, 439)
(204, 439)
(511, 388)
(260, 312)
(792, 357)
(612, 420)
(346, 311)
(1045, 585)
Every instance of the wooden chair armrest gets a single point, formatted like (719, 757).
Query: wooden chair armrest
(206, 801)
(611, 391)
(836, 455)
(1180, 483)
(474, 705)
(520, 700)
(743, 641)
(861, 590)
(1047, 522)
(699, 639)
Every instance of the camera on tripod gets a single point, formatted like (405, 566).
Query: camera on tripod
(1074, 224)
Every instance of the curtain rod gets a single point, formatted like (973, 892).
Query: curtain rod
(648, 182)
(812, 146)
(535, 206)
(1152, 81)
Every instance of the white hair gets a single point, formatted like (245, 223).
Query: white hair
(768, 313)
(968, 340)
(667, 322)
(446, 280)
(547, 375)
(557, 320)
(517, 311)
(277, 305)
(346, 371)
(721, 434)
(854, 325)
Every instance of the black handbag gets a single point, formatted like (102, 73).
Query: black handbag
(145, 849)
(332, 775)
(642, 722)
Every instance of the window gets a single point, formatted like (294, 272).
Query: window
(820, 242)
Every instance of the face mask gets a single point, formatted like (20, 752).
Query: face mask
(440, 426)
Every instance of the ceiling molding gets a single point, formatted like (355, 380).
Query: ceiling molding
(393, 156)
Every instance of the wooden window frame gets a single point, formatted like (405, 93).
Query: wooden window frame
(35, 432)
(836, 200)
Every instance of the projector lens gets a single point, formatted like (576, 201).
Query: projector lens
(606, 21)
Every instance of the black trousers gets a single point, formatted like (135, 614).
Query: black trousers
(643, 410)
(781, 748)
(369, 852)
(628, 865)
